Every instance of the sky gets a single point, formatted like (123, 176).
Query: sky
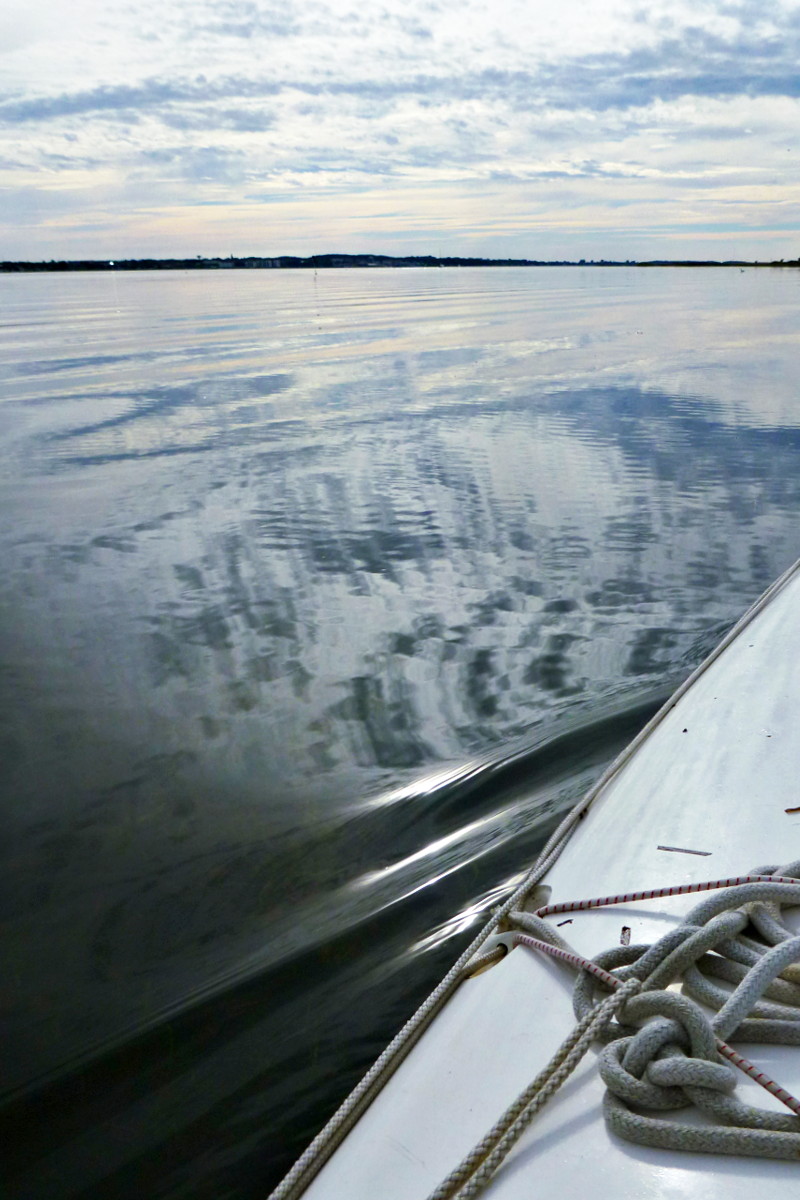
(510, 128)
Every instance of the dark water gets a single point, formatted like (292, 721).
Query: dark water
(321, 597)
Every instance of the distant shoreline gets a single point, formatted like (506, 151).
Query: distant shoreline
(327, 261)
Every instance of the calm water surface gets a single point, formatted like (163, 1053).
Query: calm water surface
(322, 596)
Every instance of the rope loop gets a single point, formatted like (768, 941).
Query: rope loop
(652, 1068)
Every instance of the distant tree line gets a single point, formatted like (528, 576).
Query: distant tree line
(324, 261)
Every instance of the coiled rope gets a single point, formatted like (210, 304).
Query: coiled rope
(679, 1058)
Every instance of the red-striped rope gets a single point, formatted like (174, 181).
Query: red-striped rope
(750, 1069)
(575, 960)
(680, 889)
(738, 1060)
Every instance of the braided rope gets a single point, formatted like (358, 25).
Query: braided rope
(680, 889)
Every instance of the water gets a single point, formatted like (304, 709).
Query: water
(322, 596)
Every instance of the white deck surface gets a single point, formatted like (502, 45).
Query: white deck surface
(716, 774)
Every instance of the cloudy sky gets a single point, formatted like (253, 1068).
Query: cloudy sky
(540, 128)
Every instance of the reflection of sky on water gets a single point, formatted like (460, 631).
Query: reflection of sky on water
(273, 541)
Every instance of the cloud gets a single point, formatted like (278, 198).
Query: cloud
(223, 117)
(200, 163)
(126, 98)
(696, 65)
(243, 19)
